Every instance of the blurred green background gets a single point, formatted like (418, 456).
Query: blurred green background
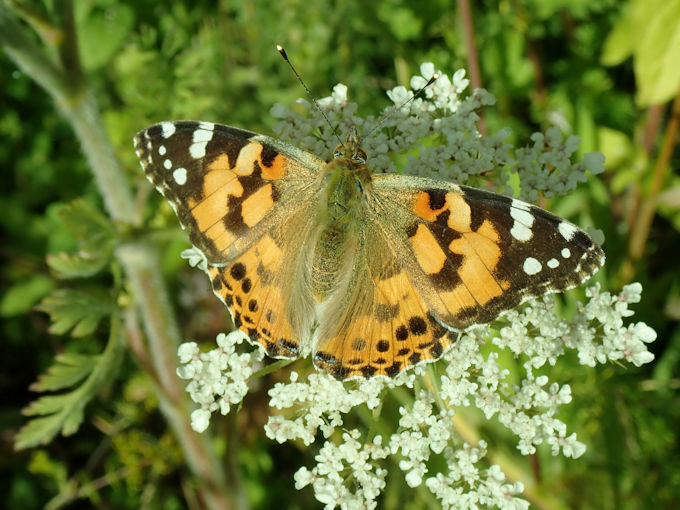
(604, 70)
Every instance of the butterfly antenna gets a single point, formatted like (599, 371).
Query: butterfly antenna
(284, 55)
(382, 120)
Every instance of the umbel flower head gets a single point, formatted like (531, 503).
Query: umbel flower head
(414, 423)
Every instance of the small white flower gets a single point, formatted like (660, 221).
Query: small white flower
(200, 419)
(195, 258)
(187, 351)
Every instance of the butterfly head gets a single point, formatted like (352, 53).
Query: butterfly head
(350, 152)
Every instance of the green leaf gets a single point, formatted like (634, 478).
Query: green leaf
(650, 31)
(76, 310)
(42, 430)
(47, 405)
(77, 265)
(95, 236)
(68, 369)
(87, 225)
(616, 146)
(64, 412)
(657, 52)
(619, 44)
(22, 296)
(102, 31)
(403, 22)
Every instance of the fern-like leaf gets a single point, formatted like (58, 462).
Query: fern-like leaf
(64, 412)
(76, 310)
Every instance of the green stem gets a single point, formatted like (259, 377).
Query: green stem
(139, 259)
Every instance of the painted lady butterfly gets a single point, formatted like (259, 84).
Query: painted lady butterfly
(371, 273)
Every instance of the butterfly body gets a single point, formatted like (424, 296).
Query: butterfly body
(342, 200)
(370, 273)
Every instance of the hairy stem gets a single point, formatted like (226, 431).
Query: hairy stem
(139, 259)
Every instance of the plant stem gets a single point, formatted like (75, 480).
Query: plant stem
(139, 259)
(640, 231)
(473, 61)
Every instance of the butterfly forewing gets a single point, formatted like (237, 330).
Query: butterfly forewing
(224, 183)
(473, 253)
(246, 206)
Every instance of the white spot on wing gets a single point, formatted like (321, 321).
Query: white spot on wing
(567, 230)
(162, 150)
(202, 135)
(207, 125)
(553, 263)
(531, 266)
(167, 164)
(168, 129)
(180, 176)
(520, 232)
(524, 220)
(197, 150)
(566, 253)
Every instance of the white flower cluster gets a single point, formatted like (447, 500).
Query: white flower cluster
(321, 402)
(610, 339)
(596, 331)
(218, 378)
(351, 463)
(442, 126)
(546, 166)
(465, 486)
(527, 409)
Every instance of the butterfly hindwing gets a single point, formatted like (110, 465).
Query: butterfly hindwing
(380, 324)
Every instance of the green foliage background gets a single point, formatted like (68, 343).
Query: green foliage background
(603, 70)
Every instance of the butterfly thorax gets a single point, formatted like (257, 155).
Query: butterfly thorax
(346, 180)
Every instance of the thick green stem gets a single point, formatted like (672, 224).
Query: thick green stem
(139, 259)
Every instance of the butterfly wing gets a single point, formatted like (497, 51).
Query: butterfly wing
(473, 254)
(244, 199)
(443, 258)
(379, 324)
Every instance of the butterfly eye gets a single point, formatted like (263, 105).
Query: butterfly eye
(359, 156)
(338, 154)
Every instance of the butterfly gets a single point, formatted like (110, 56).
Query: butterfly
(369, 273)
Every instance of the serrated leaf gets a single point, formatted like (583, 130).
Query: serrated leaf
(47, 405)
(68, 369)
(75, 310)
(23, 295)
(77, 265)
(64, 412)
(42, 430)
(87, 225)
(96, 238)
